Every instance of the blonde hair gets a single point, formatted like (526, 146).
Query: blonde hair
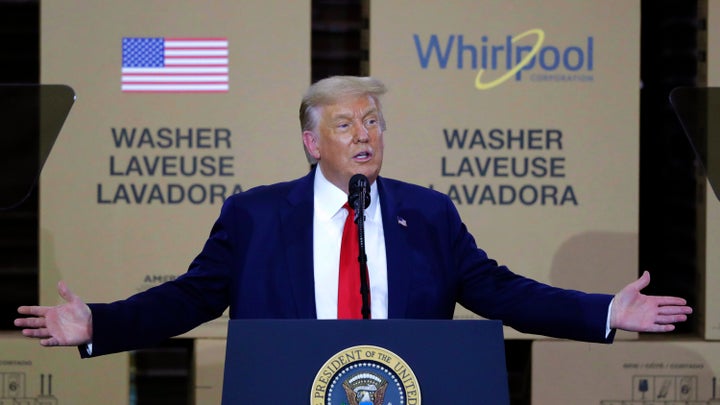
(329, 91)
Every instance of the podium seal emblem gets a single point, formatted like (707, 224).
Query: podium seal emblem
(365, 375)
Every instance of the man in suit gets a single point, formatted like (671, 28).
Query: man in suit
(274, 253)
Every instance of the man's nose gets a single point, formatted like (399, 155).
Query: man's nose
(362, 134)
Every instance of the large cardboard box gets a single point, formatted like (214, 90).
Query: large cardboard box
(209, 370)
(710, 313)
(710, 251)
(32, 374)
(497, 76)
(625, 373)
(106, 247)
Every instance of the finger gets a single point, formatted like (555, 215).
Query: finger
(669, 319)
(675, 310)
(33, 310)
(51, 341)
(643, 281)
(30, 322)
(661, 328)
(41, 333)
(65, 292)
(670, 301)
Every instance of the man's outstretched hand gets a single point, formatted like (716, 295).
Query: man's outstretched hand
(66, 324)
(636, 312)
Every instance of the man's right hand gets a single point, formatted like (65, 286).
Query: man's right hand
(67, 324)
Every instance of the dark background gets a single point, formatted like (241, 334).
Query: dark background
(669, 194)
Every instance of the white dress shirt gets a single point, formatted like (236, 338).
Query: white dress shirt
(328, 222)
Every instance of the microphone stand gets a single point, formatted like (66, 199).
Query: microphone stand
(362, 258)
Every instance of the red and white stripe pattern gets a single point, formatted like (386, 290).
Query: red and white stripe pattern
(153, 65)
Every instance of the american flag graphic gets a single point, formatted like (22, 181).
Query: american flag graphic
(161, 65)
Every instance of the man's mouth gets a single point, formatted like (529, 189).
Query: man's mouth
(364, 155)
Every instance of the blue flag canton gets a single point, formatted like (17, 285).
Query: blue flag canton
(143, 52)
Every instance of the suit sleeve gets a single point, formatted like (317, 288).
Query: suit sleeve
(175, 307)
(494, 292)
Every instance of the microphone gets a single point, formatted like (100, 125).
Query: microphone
(358, 193)
(359, 199)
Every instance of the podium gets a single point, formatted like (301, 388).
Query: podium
(365, 362)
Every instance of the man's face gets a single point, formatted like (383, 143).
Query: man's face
(348, 140)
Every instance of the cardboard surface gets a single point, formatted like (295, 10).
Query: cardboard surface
(626, 373)
(32, 374)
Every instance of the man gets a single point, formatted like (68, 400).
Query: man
(274, 253)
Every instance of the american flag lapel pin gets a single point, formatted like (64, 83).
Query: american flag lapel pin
(402, 221)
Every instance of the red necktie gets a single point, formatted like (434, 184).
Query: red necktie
(349, 298)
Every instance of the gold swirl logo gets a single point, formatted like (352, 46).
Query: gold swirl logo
(480, 85)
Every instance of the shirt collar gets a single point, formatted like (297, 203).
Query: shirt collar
(329, 199)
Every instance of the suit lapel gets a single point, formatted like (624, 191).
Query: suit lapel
(297, 221)
(395, 229)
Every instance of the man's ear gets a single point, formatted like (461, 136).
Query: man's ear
(311, 146)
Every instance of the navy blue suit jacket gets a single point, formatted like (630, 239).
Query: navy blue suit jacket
(258, 261)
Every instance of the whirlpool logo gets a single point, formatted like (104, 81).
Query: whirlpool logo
(524, 56)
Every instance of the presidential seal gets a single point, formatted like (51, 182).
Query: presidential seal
(365, 375)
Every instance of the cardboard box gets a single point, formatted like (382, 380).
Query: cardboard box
(626, 373)
(209, 370)
(32, 374)
(107, 248)
(711, 285)
(709, 251)
(590, 242)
